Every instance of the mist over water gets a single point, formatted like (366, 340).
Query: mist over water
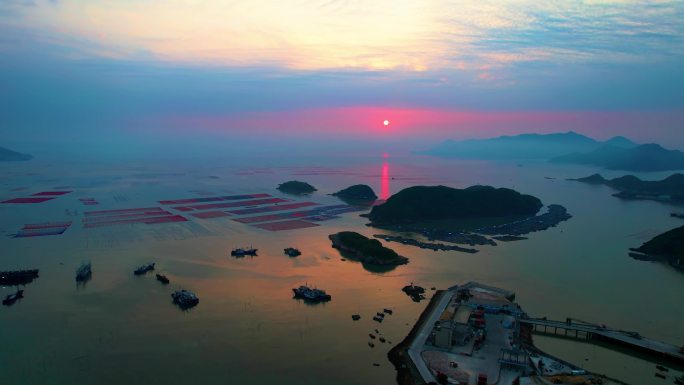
(247, 319)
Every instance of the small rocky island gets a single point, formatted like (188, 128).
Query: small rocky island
(357, 194)
(429, 203)
(667, 247)
(366, 250)
(670, 189)
(296, 187)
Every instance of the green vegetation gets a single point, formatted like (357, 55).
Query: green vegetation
(296, 187)
(669, 244)
(366, 249)
(430, 203)
(357, 194)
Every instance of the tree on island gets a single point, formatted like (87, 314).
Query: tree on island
(296, 187)
(425, 203)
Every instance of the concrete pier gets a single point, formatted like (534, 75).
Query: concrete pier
(587, 331)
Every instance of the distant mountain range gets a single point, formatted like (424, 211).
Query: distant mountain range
(618, 153)
(525, 146)
(646, 157)
(670, 189)
(9, 155)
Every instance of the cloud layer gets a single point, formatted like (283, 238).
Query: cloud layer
(94, 67)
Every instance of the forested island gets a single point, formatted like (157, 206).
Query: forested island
(296, 187)
(429, 203)
(357, 194)
(366, 250)
(667, 247)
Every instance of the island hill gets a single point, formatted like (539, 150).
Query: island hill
(439, 203)
(670, 189)
(366, 250)
(359, 194)
(525, 146)
(646, 157)
(667, 247)
(618, 153)
(9, 155)
(296, 187)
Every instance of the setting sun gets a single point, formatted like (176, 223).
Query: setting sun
(386, 123)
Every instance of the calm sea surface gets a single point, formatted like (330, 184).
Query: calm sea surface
(247, 328)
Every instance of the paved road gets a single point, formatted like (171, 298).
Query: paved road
(423, 333)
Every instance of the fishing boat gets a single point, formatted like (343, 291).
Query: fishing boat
(184, 298)
(17, 277)
(142, 270)
(12, 298)
(241, 252)
(162, 279)
(311, 294)
(292, 252)
(84, 272)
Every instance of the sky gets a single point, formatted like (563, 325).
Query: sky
(80, 73)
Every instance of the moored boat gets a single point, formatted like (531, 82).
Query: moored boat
(292, 252)
(144, 269)
(12, 298)
(311, 294)
(17, 277)
(84, 272)
(241, 252)
(162, 278)
(184, 298)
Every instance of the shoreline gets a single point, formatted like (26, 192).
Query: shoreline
(509, 354)
(407, 373)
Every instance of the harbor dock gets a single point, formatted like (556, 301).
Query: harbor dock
(476, 334)
(575, 329)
